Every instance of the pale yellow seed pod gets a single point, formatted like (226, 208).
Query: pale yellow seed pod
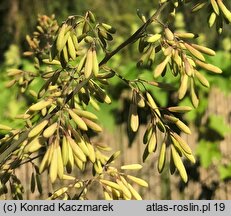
(53, 170)
(76, 149)
(38, 128)
(153, 38)
(79, 121)
(86, 114)
(107, 195)
(183, 144)
(75, 40)
(188, 67)
(60, 162)
(194, 51)
(126, 193)
(5, 127)
(34, 145)
(215, 6)
(91, 152)
(131, 167)
(78, 184)
(98, 166)
(95, 64)
(179, 164)
(88, 64)
(65, 149)
(162, 158)
(224, 10)
(138, 181)
(108, 28)
(204, 49)
(207, 66)
(183, 127)
(139, 100)
(91, 16)
(160, 67)
(212, 19)
(186, 35)
(177, 58)
(168, 51)
(80, 164)
(71, 48)
(40, 105)
(152, 103)
(180, 109)
(172, 119)
(116, 194)
(60, 38)
(192, 62)
(134, 193)
(94, 104)
(133, 117)
(94, 126)
(45, 161)
(152, 143)
(14, 72)
(59, 192)
(169, 34)
(68, 177)
(110, 184)
(183, 87)
(49, 131)
(53, 62)
(80, 142)
(82, 145)
(202, 79)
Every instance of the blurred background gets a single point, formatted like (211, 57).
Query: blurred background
(210, 177)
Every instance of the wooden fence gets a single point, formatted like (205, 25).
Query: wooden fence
(203, 183)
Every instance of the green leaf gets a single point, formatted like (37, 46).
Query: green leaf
(218, 124)
(207, 152)
(224, 172)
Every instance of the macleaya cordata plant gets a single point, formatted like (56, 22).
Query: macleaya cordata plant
(68, 59)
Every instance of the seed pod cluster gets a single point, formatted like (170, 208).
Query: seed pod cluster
(63, 138)
(65, 46)
(120, 185)
(16, 188)
(39, 42)
(89, 63)
(162, 123)
(20, 78)
(66, 153)
(70, 42)
(218, 13)
(105, 32)
(184, 58)
(148, 46)
(98, 92)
